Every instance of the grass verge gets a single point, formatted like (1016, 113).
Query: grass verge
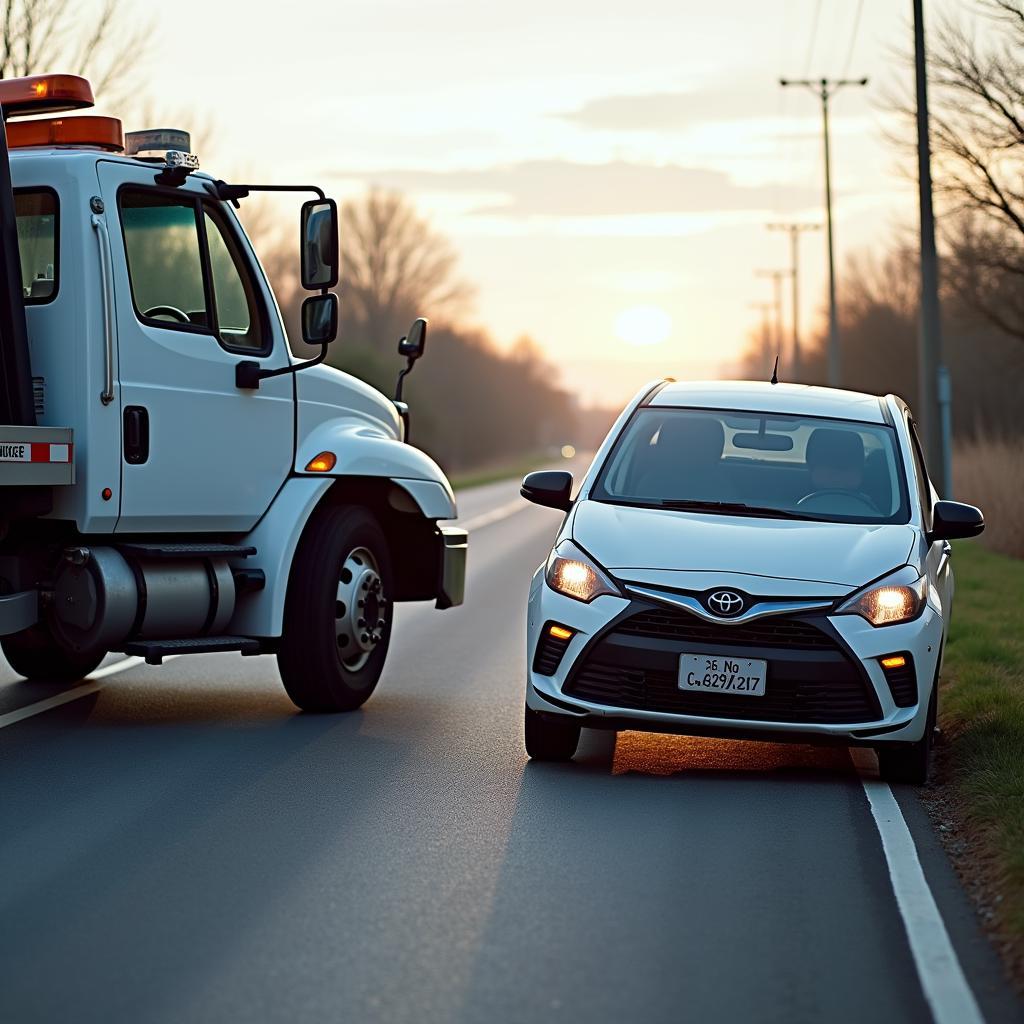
(519, 466)
(981, 711)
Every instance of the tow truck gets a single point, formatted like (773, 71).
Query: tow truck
(173, 480)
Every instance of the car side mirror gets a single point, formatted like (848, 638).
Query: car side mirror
(953, 519)
(551, 488)
(319, 244)
(414, 343)
(320, 319)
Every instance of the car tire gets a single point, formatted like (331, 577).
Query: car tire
(550, 738)
(910, 762)
(39, 656)
(331, 656)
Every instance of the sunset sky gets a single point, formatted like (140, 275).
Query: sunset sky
(585, 159)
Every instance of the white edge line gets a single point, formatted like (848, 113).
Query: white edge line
(92, 685)
(495, 515)
(942, 978)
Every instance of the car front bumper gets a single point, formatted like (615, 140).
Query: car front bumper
(861, 644)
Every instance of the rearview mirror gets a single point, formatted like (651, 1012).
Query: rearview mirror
(414, 343)
(551, 488)
(319, 230)
(320, 319)
(953, 519)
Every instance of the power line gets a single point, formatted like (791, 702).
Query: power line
(825, 89)
(814, 34)
(853, 38)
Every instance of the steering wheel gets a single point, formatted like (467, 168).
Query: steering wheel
(172, 311)
(852, 496)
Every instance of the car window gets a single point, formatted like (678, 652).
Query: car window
(238, 322)
(36, 214)
(840, 470)
(924, 489)
(161, 238)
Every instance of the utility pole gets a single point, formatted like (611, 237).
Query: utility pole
(929, 338)
(825, 89)
(777, 276)
(794, 229)
(766, 330)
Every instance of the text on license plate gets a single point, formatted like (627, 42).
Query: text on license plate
(713, 673)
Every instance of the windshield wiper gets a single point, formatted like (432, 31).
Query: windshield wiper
(732, 508)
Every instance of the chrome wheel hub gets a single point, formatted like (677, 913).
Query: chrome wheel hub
(361, 609)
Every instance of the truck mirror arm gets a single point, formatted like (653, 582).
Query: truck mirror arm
(233, 193)
(249, 373)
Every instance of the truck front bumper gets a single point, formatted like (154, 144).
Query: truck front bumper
(18, 611)
(452, 583)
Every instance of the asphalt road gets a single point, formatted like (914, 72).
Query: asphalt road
(183, 846)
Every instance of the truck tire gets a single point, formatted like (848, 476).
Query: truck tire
(338, 613)
(38, 655)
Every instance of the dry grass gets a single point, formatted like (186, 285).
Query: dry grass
(989, 472)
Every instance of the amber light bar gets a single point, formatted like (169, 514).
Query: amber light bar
(90, 130)
(44, 94)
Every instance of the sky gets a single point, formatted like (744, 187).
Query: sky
(605, 171)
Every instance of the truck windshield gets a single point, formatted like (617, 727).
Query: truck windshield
(36, 212)
(749, 463)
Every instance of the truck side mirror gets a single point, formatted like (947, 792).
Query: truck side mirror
(953, 519)
(413, 345)
(319, 244)
(551, 488)
(320, 319)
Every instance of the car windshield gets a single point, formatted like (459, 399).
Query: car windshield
(750, 463)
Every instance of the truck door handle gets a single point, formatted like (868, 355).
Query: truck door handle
(136, 435)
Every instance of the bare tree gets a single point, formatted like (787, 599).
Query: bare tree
(102, 41)
(977, 128)
(394, 267)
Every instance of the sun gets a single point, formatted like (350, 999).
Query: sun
(643, 325)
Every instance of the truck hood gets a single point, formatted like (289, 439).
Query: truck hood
(324, 392)
(690, 550)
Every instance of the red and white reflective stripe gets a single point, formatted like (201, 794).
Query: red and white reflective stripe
(25, 451)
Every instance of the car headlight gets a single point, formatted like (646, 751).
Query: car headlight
(572, 573)
(900, 597)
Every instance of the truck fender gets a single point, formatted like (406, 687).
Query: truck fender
(363, 450)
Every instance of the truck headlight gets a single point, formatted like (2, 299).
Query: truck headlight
(573, 573)
(900, 597)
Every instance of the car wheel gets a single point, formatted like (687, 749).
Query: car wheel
(337, 618)
(910, 762)
(550, 738)
(39, 656)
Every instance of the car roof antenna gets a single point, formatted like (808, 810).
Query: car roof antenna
(775, 372)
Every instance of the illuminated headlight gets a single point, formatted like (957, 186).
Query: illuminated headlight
(898, 598)
(570, 572)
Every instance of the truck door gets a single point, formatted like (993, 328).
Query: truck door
(198, 453)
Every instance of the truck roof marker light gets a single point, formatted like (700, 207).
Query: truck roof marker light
(157, 142)
(322, 463)
(88, 130)
(44, 94)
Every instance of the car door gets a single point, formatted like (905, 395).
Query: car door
(198, 453)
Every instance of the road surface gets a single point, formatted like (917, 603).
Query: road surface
(182, 846)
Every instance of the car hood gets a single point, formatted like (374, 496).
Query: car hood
(695, 550)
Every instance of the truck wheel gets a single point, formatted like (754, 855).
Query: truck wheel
(337, 616)
(36, 654)
(550, 738)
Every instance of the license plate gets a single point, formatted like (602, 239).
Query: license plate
(713, 673)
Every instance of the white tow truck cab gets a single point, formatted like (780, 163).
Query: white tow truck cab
(172, 480)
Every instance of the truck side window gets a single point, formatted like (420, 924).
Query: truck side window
(161, 238)
(238, 321)
(36, 213)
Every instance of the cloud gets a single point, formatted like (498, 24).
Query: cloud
(561, 188)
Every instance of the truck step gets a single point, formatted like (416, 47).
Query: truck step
(154, 651)
(163, 550)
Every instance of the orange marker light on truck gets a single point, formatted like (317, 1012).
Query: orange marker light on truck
(323, 463)
(44, 94)
(90, 130)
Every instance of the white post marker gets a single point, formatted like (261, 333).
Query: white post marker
(946, 991)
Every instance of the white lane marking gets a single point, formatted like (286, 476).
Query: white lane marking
(942, 978)
(92, 685)
(495, 515)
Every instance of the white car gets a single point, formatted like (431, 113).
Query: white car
(747, 560)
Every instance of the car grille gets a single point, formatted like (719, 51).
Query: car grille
(635, 666)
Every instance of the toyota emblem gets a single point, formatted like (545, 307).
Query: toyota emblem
(726, 603)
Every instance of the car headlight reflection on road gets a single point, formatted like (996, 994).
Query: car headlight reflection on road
(572, 573)
(891, 601)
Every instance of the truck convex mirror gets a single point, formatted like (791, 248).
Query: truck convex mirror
(319, 244)
(414, 343)
(320, 319)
